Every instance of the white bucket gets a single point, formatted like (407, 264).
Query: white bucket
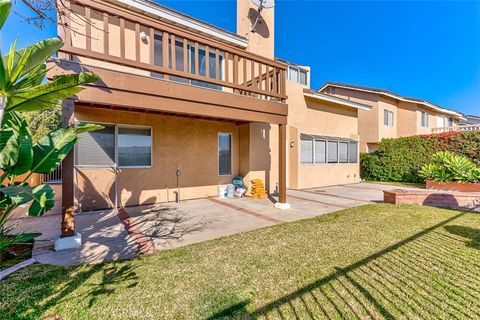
(222, 191)
(230, 191)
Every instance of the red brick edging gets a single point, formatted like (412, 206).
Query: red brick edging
(144, 244)
(246, 211)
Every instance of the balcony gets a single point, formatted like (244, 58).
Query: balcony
(132, 51)
(470, 127)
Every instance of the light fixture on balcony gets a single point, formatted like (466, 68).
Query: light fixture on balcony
(143, 36)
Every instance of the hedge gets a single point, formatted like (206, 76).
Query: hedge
(400, 159)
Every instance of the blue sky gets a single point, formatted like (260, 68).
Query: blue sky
(427, 49)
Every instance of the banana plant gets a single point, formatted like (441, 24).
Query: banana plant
(23, 89)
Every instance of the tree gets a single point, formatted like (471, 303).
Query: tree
(22, 91)
(42, 122)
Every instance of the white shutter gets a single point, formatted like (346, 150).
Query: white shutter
(343, 152)
(306, 151)
(96, 148)
(320, 151)
(332, 151)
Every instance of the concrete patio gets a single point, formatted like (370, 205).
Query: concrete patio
(112, 235)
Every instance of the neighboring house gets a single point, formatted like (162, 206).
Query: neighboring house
(187, 106)
(392, 115)
(323, 135)
(470, 119)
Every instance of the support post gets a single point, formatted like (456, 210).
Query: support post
(68, 239)
(282, 167)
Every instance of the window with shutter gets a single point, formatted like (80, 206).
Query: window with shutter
(353, 152)
(306, 151)
(343, 152)
(96, 148)
(332, 151)
(320, 151)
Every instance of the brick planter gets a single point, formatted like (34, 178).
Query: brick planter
(451, 200)
(453, 186)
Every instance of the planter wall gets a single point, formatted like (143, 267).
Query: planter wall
(451, 200)
(453, 186)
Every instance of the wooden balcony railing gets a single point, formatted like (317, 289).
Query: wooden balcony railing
(167, 51)
(470, 127)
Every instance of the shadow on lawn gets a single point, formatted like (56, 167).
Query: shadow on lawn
(418, 277)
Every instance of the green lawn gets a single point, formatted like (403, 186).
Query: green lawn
(376, 261)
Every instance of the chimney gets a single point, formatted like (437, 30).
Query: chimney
(261, 41)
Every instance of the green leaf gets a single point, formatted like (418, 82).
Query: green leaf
(5, 7)
(8, 148)
(51, 149)
(29, 58)
(86, 127)
(22, 143)
(46, 95)
(42, 197)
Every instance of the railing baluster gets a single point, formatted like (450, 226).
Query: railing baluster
(217, 64)
(197, 64)
(207, 61)
(137, 42)
(245, 84)
(122, 38)
(227, 67)
(106, 34)
(274, 80)
(252, 71)
(152, 46)
(88, 29)
(185, 55)
(165, 49)
(172, 46)
(235, 69)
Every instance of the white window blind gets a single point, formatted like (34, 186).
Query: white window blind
(424, 119)
(320, 151)
(353, 152)
(332, 152)
(388, 118)
(306, 151)
(134, 147)
(343, 152)
(96, 148)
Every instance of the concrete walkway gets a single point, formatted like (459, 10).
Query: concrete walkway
(112, 235)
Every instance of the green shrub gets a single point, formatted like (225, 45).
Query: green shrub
(448, 167)
(401, 159)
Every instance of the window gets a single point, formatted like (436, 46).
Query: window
(224, 154)
(332, 152)
(297, 75)
(450, 121)
(320, 151)
(388, 118)
(424, 119)
(306, 151)
(441, 121)
(125, 146)
(353, 152)
(96, 148)
(343, 152)
(134, 147)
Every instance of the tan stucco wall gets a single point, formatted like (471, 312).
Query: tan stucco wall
(189, 145)
(407, 117)
(368, 121)
(262, 41)
(310, 116)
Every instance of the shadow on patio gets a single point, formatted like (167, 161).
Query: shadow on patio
(410, 279)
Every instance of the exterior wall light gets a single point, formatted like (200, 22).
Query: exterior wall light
(292, 144)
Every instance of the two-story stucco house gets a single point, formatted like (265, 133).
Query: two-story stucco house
(187, 106)
(392, 115)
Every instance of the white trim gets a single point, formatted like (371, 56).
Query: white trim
(185, 21)
(425, 103)
(323, 97)
(218, 154)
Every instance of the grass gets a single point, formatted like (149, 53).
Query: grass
(375, 261)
